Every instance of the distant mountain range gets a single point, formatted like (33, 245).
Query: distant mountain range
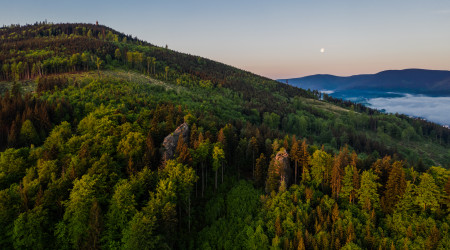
(411, 81)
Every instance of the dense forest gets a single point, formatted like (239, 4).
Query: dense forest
(110, 142)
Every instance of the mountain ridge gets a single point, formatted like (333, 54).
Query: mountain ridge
(412, 80)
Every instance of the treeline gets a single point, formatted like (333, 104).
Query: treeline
(14, 33)
(22, 62)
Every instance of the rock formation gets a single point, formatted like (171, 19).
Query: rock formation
(170, 141)
(283, 167)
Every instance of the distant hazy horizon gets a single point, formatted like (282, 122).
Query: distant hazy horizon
(272, 38)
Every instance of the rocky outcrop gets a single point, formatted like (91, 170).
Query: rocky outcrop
(283, 167)
(170, 142)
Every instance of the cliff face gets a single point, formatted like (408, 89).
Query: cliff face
(283, 167)
(170, 141)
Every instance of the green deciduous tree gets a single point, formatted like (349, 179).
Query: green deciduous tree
(257, 240)
(183, 177)
(98, 63)
(201, 155)
(73, 230)
(121, 210)
(31, 229)
(140, 233)
(28, 134)
(132, 147)
(321, 163)
(12, 166)
(272, 120)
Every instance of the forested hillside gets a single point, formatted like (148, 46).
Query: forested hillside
(88, 114)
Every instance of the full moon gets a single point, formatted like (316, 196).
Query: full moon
(322, 50)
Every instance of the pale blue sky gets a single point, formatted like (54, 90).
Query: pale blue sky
(278, 39)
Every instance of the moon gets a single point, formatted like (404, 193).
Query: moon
(322, 50)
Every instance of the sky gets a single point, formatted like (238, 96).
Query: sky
(276, 39)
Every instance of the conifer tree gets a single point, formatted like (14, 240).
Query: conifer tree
(350, 233)
(406, 202)
(150, 152)
(221, 138)
(182, 152)
(295, 155)
(273, 177)
(149, 60)
(381, 168)
(340, 161)
(335, 212)
(336, 177)
(95, 226)
(348, 189)
(154, 65)
(261, 167)
(447, 191)
(253, 146)
(278, 227)
(354, 159)
(194, 136)
(395, 187)
(304, 160)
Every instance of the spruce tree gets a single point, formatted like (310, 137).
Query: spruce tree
(395, 187)
(347, 191)
(261, 167)
(295, 155)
